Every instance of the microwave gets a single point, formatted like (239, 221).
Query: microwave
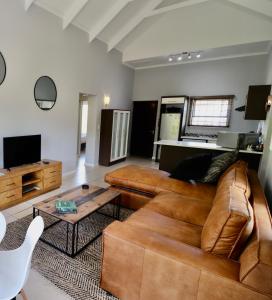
(236, 140)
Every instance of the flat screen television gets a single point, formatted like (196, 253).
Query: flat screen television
(21, 150)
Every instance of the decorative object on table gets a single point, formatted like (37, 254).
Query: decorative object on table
(219, 164)
(66, 207)
(45, 93)
(3, 68)
(85, 186)
(15, 264)
(192, 168)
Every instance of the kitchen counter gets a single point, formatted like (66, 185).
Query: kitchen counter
(173, 152)
(207, 139)
(201, 145)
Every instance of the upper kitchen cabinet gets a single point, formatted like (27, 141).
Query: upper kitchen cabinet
(256, 107)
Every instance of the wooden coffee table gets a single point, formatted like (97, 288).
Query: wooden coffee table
(88, 202)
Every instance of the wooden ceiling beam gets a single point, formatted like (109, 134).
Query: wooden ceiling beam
(72, 12)
(28, 3)
(133, 23)
(166, 9)
(107, 18)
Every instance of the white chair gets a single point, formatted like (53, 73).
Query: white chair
(3, 227)
(15, 264)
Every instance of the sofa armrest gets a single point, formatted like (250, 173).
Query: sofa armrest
(138, 263)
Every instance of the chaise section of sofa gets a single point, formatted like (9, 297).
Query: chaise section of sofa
(138, 185)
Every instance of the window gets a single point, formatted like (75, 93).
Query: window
(211, 111)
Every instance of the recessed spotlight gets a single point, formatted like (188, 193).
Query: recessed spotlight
(179, 58)
(198, 55)
(170, 59)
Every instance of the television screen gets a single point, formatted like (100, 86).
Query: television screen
(21, 150)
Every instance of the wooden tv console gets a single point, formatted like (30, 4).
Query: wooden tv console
(25, 182)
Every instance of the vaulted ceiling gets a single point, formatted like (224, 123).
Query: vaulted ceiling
(148, 31)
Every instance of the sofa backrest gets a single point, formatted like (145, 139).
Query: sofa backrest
(236, 175)
(230, 221)
(256, 259)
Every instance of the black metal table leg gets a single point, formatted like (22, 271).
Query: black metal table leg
(67, 236)
(118, 205)
(73, 241)
(73, 249)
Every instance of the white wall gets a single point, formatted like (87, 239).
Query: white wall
(265, 172)
(33, 45)
(212, 24)
(229, 76)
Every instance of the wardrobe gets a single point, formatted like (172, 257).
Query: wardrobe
(113, 136)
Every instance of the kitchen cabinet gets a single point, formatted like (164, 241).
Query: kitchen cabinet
(256, 102)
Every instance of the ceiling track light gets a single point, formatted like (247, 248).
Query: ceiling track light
(184, 55)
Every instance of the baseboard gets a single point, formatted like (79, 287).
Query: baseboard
(90, 165)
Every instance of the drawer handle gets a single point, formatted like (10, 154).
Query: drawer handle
(13, 183)
(11, 196)
(52, 181)
(53, 172)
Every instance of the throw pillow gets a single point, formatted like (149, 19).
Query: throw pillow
(192, 168)
(218, 165)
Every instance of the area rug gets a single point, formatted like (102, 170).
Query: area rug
(78, 277)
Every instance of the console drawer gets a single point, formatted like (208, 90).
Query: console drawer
(10, 196)
(51, 182)
(51, 172)
(10, 184)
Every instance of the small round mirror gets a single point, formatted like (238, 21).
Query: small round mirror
(3, 68)
(45, 93)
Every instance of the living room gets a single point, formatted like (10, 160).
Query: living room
(166, 96)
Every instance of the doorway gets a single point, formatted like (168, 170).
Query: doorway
(83, 127)
(87, 148)
(143, 128)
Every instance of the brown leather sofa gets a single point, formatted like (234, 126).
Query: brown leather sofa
(189, 241)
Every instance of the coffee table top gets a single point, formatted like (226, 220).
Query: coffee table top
(88, 201)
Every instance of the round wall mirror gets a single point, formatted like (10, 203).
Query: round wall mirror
(3, 68)
(45, 93)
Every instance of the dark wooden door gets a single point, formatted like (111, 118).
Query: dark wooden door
(143, 128)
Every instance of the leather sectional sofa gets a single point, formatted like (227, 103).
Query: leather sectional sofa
(189, 241)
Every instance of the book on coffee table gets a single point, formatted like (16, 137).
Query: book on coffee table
(66, 207)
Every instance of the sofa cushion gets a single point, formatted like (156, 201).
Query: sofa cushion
(179, 207)
(171, 228)
(229, 223)
(218, 165)
(192, 168)
(153, 181)
(235, 175)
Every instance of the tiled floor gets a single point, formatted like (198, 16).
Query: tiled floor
(37, 286)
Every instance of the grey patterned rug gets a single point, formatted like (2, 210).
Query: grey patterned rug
(78, 277)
